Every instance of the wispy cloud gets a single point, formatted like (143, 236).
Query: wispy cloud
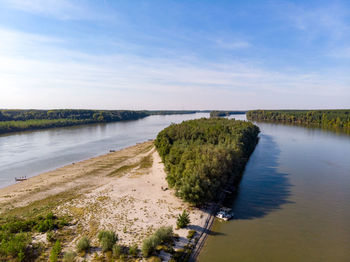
(58, 9)
(329, 19)
(233, 44)
(37, 69)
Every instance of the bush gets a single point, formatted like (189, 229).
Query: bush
(14, 245)
(161, 235)
(69, 256)
(190, 234)
(50, 236)
(117, 251)
(83, 244)
(147, 247)
(107, 239)
(55, 251)
(133, 250)
(164, 233)
(183, 220)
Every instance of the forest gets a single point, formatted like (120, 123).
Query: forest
(339, 119)
(20, 120)
(216, 113)
(204, 155)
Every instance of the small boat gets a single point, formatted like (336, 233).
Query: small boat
(225, 213)
(112, 150)
(18, 179)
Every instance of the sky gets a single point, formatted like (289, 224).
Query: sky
(162, 54)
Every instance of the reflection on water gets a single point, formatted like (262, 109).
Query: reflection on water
(265, 189)
(293, 201)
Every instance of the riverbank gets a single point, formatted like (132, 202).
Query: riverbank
(121, 191)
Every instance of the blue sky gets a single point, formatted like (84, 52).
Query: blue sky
(174, 54)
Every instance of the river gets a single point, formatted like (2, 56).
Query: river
(293, 202)
(34, 152)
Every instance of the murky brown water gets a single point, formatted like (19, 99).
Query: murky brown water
(293, 202)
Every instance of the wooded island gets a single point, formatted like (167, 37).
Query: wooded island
(201, 156)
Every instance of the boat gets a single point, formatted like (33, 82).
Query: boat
(225, 213)
(18, 179)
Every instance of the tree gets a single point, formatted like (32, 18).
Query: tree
(183, 220)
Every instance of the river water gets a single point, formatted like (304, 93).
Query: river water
(31, 153)
(293, 202)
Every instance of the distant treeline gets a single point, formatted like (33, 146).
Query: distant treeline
(202, 156)
(171, 112)
(14, 120)
(216, 113)
(339, 119)
(20, 120)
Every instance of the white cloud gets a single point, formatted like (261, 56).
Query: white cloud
(37, 71)
(329, 19)
(59, 9)
(232, 45)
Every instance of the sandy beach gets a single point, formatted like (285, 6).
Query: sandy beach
(124, 191)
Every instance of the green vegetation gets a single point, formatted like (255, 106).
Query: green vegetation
(333, 119)
(183, 220)
(107, 239)
(14, 120)
(20, 120)
(69, 256)
(83, 244)
(133, 250)
(203, 155)
(224, 113)
(191, 234)
(162, 235)
(15, 234)
(55, 251)
(117, 251)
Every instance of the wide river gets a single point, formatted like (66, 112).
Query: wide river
(293, 202)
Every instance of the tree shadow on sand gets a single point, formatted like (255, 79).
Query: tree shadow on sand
(263, 189)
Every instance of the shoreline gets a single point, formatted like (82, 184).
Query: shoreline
(125, 189)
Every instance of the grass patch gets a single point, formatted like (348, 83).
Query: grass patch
(122, 170)
(146, 162)
(43, 206)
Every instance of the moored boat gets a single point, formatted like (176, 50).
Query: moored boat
(224, 213)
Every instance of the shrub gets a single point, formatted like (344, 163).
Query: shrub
(14, 245)
(147, 247)
(50, 236)
(83, 244)
(55, 251)
(183, 220)
(117, 251)
(162, 234)
(107, 239)
(69, 256)
(190, 234)
(133, 250)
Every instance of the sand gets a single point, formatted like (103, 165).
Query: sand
(121, 191)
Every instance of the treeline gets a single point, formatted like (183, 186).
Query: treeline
(216, 113)
(321, 118)
(21, 120)
(201, 156)
(71, 114)
(171, 112)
